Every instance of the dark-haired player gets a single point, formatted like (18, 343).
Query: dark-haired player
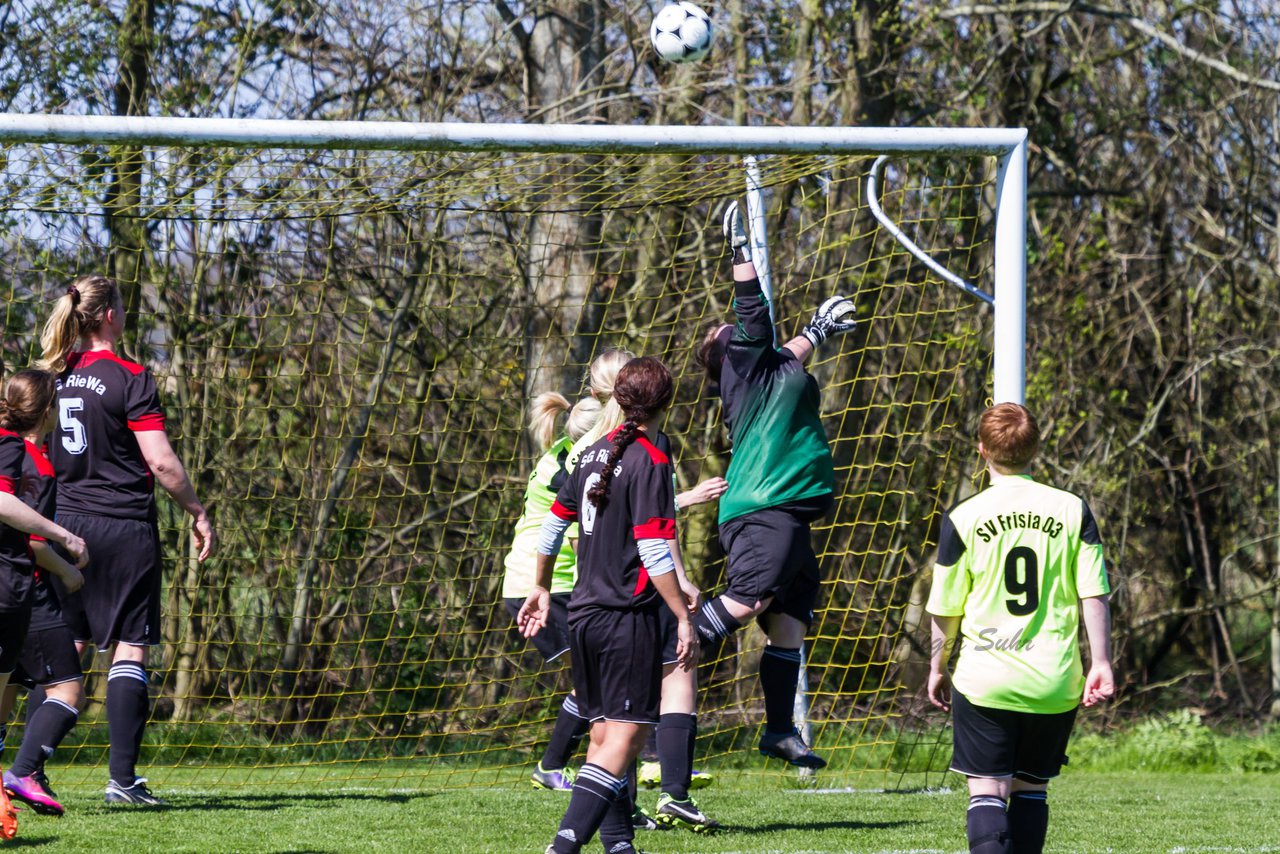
(49, 665)
(109, 450)
(621, 494)
(17, 572)
(781, 479)
(1017, 565)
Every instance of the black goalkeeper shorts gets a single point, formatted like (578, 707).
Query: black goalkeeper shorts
(1003, 743)
(770, 554)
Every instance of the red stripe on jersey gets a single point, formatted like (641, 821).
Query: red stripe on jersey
(6, 485)
(83, 360)
(656, 529)
(35, 538)
(4, 432)
(43, 466)
(154, 421)
(562, 512)
(654, 454)
(642, 581)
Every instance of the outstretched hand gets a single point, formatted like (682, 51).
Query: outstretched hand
(833, 317)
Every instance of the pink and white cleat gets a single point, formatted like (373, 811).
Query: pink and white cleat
(30, 792)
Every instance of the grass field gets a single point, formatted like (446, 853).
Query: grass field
(213, 811)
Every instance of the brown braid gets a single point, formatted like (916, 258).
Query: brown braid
(644, 389)
(625, 435)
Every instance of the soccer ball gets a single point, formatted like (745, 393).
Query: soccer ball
(681, 32)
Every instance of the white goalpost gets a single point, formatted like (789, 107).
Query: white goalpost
(349, 317)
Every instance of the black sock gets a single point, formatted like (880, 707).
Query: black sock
(988, 825)
(127, 706)
(35, 697)
(617, 832)
(676, 734)
(594, 791)
(714, 622)
(779, 670)
(566, 735)
(45, 730)
(1028, 821)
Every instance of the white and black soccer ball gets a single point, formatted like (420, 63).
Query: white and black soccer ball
(681, 32)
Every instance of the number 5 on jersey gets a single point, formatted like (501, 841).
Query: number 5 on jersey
(77, 441)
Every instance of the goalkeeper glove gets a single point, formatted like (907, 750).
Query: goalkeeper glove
(735, 234)
(833, 317)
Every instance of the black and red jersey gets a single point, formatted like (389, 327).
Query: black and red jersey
(16, 567)
(40, 492)
(641, 505)
(102, 401)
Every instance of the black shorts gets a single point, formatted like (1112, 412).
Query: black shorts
(553, 638)
(668, 637)
(120, 599)
(770, 553)
(617, 671)
(13, 635)
(48, 658)
(1002, 743)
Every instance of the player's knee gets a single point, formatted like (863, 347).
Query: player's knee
(70, 693)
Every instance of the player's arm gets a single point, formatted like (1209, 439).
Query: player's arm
(755, 324)
(1094, 590)
(947, 597)
(170, 474)
(708, 490)
(533, 614)
(944, 630)
(16, 514)
(1100, 684)
(50, 560)
(656, 556)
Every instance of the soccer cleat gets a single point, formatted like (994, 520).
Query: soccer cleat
(791, 748)
(650, 777)
(136, 795)
(43, 779)
(641, 820)
(29, 791)
(673, 813)
(559, 780)
(8, 817)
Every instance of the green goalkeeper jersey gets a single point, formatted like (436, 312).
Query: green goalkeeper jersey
(1014, 561)
(771, 407)
(549, 473)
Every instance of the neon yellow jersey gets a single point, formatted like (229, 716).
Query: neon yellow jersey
(1014, 561)
(548, 474)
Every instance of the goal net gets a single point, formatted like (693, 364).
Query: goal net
(346, 342)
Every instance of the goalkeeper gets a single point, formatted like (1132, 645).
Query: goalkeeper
(781, 480)
(1017, 565)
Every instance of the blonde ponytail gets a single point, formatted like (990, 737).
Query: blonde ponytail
(80, 311)
(546, 408)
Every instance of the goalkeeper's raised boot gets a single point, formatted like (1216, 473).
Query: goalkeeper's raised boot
(137, 795)
(790, 747)
(559, 780)
(736, 235)
(30, 792)
(673, 813)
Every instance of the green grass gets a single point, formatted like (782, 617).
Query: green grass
(272, 810)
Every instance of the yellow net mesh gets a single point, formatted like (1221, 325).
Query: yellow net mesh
(346, 343)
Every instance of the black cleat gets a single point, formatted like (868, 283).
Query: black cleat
(675, 813)
(136, 795)
(790, 747)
